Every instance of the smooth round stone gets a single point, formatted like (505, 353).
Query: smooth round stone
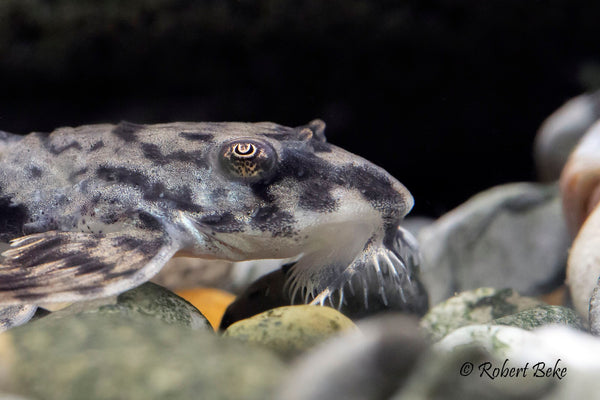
(560, 132)
(511, 235)
(414, 224)
(456, 375)
(6, 396)
(583, 268)
(578, 351)
(477, 306)
(145, 301)
(501, 341)
(540, 316)
(368, 364)
(580, 180)
(594, 311)
(97, 356)
(569, 354)
(291, 330)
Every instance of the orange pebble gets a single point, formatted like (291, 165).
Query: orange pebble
(556, 297)
(211, 302)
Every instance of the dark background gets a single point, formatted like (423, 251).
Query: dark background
(446, 95)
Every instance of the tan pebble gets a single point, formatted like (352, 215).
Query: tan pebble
(291, 330)
(8, 358)
(583, 266)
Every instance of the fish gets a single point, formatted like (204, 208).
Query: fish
(92, 211)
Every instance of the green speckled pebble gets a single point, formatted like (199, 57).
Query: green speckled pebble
(540, 316)
(96, 356)
(479, 306)
(153, 300)
(148, 300)
(291, 330)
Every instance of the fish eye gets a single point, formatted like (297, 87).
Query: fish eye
(244, 150)
(248, 158)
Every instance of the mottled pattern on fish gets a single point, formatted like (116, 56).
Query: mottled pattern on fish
(95, 210)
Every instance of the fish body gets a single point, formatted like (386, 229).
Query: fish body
(95, 210)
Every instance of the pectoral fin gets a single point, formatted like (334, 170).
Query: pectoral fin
(382, 276)
(70, 266)
(15, 315)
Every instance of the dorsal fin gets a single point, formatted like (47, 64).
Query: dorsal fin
(314, 129)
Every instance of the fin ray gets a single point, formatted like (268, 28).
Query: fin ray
(15, 315)
(386, 273)
(58, 266)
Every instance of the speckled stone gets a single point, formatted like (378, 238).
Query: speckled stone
(540, 316)
(569, 354)
(477, 306)
(291, 330)
(95, 356)
(594, 311)
(148, 300)
(442, 375)
(501, 341)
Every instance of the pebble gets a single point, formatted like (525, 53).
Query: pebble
(561, 131)
(478, 306)
(265, 293)
(561, 363)
(511, 236)
(211, 302)
(578, 352)
(113, 356)
(455, 375)
(6, 396)
(290, 330)
(583, 269)
(414, 224)
(594, 311)
(145, 301)
(580, 190)
(580, 180)
(370, 364)
(541, 316)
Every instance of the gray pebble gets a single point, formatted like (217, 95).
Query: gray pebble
(98, 356)
(509, 236)
(561, 131)
(370, 365)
